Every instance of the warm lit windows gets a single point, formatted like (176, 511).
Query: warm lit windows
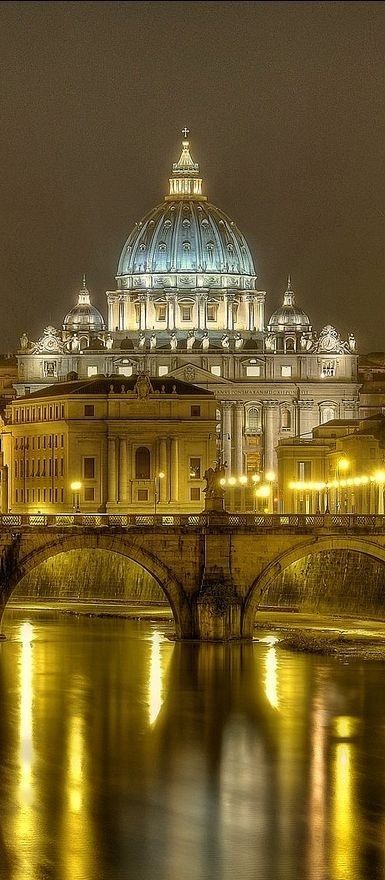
(303, 471)
(286, 371)
(328, 369)
(125, 370)
(195, 469)
(216, 370)
(160, 312)
(162, 370)
(253, 420)
(285, 419)
(327, 413)
(92, 371)
(195, 411)
(50, 369)
(137, 312)
(212, 311)
(89, 468)
(253, 370)
(186, 313)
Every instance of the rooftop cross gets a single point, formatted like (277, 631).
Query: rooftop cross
(185, 132)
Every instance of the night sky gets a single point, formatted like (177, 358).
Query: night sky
(286, 106)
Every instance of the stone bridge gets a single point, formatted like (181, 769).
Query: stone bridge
(213, 568)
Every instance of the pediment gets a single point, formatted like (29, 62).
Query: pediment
(189, 372)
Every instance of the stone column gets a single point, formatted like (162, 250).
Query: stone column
(121, 314)
(174, 470)
(123, 475)
(202, 312)
(260, 318)
(251, 313)
(163, 469)
(142, 312)
(238, 439)
(230, 312)
(270, 434)
(111, 466)
(226, 433)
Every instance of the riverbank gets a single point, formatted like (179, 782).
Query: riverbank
(318, 634)
(131, 611)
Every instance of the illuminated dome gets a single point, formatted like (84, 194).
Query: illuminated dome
(84, 316)
(289, 316)
(186, 235)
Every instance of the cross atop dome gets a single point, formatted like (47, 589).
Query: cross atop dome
(185, 182)
(84, 294)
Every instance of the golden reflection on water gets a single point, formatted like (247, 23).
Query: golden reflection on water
(344, 824)
(136, 754)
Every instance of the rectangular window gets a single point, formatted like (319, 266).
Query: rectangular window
(286, 372)
(195, 493)
(328, 369)
(142, 494)
(89, 409)
(195, 411)
(92, 371)
(61, 495)
(62, 467)
(162, 370)
(160, 313)
(50, 369)
(212, 311)
(56, 494)
(195, 469)
(125, 370)
(89, 493)
(89, 468)
(253, 370)
(216, 371)
(186, 312)
(304, 471)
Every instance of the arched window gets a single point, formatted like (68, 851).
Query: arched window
(327, 413)
(253, 420)
(142, 463)
(286, 419)
(290, 344)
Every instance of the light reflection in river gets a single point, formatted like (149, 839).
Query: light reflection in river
(125, 754)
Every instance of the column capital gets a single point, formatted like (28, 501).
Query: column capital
(270, 404)
(227, 404)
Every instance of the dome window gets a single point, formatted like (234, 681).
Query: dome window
(186, 223)
(205, 222)
(142, 246)
(167, 224)
(210, 246)
(186, 246)
(162, 246)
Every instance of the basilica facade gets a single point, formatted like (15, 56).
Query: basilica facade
(187, 306)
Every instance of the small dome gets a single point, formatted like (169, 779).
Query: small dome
(84, 316)
(289, 316)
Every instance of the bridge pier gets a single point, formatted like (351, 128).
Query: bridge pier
(218, 608)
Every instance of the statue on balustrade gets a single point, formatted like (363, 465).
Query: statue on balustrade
(153, 341)
(205, 341)
(190, 339)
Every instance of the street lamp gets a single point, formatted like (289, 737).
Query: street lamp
(270, 477)
(379, 477)
(264, 492)
(76, 487)
(157, 480)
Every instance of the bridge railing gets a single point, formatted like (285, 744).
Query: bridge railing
(251, 521)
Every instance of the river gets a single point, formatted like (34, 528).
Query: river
(126, 755)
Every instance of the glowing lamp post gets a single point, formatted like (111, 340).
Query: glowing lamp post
(76, 487)
(343, 465)
(264, 492)
(270, 478)
(157, 480)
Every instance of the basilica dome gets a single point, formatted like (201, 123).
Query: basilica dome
(289, 316)
(186, 235)
(84, 317)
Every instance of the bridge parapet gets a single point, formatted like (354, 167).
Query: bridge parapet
(230, 522)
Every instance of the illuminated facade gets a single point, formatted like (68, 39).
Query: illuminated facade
(108, 446)
(340, 470)
(187, 305)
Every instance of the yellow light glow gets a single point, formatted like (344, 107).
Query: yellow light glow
(161, 475)
(271, 668)
(345, 726)
(263, 492)
(231, 481)
(343, 464)
(222, 481)
(26, 748)
(75, 762)
(344, 831)
(270, 476)
(76, 486)
(243, 480)
(155, 680)
(379, 476)
(256, 478)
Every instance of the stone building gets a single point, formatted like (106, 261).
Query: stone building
(187, 305)
(130, 444)
(340, 469)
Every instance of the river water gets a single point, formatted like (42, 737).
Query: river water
(126, 755)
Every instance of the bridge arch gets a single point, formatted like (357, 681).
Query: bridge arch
(127, 546)
(309, 548)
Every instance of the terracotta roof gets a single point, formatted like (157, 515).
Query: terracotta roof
(117, 385)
